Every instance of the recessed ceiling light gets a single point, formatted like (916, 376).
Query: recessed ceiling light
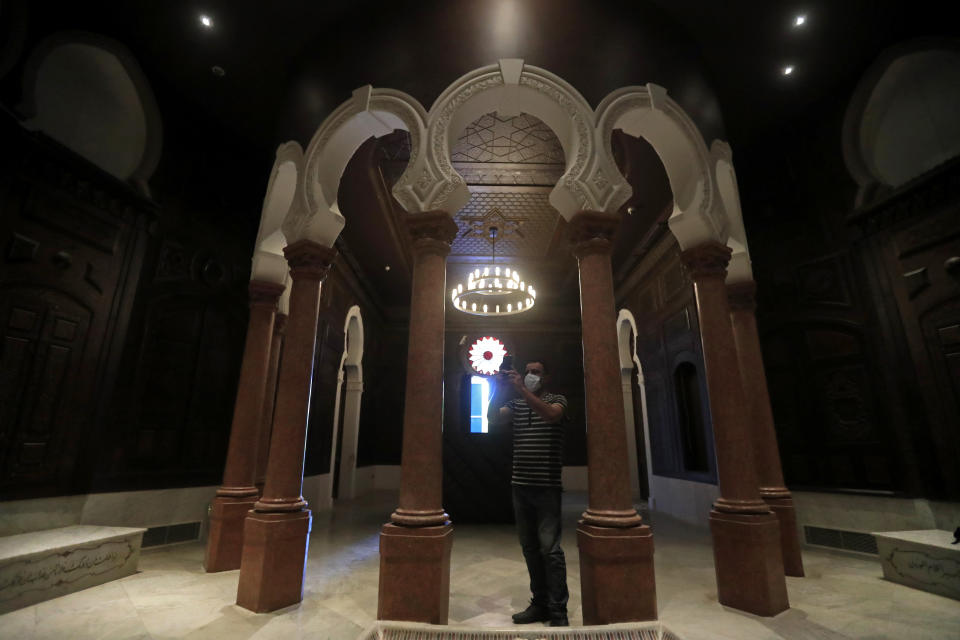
(787, 70)
(206, 21)
(800, 20)
(386, 268)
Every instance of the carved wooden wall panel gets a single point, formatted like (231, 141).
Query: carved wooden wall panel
(70, 242)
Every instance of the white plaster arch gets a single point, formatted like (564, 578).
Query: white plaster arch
(591, 180)
(350, 374)
(627, 327)
(89, 93)
(269, 264)
(648, 112)
(369, 112)
(901, 119)
(725, 176)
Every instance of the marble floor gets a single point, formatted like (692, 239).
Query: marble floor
(171, 597)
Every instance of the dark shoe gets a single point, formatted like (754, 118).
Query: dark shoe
(559, 621)
(533, 613)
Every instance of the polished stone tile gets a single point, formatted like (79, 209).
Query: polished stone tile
(171, 597)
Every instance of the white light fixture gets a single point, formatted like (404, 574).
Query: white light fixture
(506, 289)
(486, 355)
(206, 21)
(787, 70)
(800, 20)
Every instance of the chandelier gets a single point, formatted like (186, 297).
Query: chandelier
(494, 290)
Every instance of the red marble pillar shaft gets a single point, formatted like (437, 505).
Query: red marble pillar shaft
(276, 532)
(616, 550)
(739, 489)
(421, 470)
(415, 545)
(269, 400)
(767, 456)
(746, 534)
(608, 471)
(238, 492)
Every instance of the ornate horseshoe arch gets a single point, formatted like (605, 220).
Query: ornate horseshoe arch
(590, 181)
(650, 113)
(268, 261)
(315, 214)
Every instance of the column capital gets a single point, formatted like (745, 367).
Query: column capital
(309, 259)
(432, 232)
(742, 296)
(592, 232)
(264, 293)
(709, 259)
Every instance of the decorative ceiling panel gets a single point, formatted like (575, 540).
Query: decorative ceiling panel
(521, 139)
(529, 211)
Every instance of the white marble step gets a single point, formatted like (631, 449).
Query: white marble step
(40, 565)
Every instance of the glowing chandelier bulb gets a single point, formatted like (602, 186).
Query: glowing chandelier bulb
(493, 291)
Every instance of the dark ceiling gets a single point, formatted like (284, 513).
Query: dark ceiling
(288, 64)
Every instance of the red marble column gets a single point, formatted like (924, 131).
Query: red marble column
(238, 493)
(269, 401)
(746, 535)
(616, 550)
(767, 457)
(276, 532)
(415, 546)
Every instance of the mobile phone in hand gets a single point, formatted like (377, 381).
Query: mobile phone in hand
(507, 363)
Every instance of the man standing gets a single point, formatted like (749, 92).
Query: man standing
(538, 419)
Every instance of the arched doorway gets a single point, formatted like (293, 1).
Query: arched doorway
(346, 413)
(634, 407)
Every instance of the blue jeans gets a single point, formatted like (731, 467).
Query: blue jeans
(537, 510)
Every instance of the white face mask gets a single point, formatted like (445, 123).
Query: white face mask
(531, 382)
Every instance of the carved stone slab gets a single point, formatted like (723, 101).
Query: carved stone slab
(921, 559)
(41, 565)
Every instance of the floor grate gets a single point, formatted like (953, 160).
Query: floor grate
(170, 534)
(855, 541)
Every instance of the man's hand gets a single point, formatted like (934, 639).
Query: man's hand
(513, 378)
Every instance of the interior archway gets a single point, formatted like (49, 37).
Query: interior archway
(346, 418)
(630, 363)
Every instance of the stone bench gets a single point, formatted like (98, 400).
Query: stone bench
(921, 559)
(40, 565)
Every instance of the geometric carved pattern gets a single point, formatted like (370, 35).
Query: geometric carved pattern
(823, 282)
(532, 210)
(844, 393)
(523, 139)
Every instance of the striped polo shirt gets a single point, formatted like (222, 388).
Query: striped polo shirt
(537, 446)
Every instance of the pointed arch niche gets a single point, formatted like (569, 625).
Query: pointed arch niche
(346, 413)
(629, 362)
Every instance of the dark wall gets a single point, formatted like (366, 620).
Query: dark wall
(73, 241)
(857, 311)
(477, 467)
(123, 316)
(660, 296)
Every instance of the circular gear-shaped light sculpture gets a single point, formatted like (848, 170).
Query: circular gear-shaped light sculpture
(486, 355)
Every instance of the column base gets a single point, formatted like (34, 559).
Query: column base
(415, 573)
(789, 536)
(274, 559)
(748, 562)
(616, 574)
(225, 540)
